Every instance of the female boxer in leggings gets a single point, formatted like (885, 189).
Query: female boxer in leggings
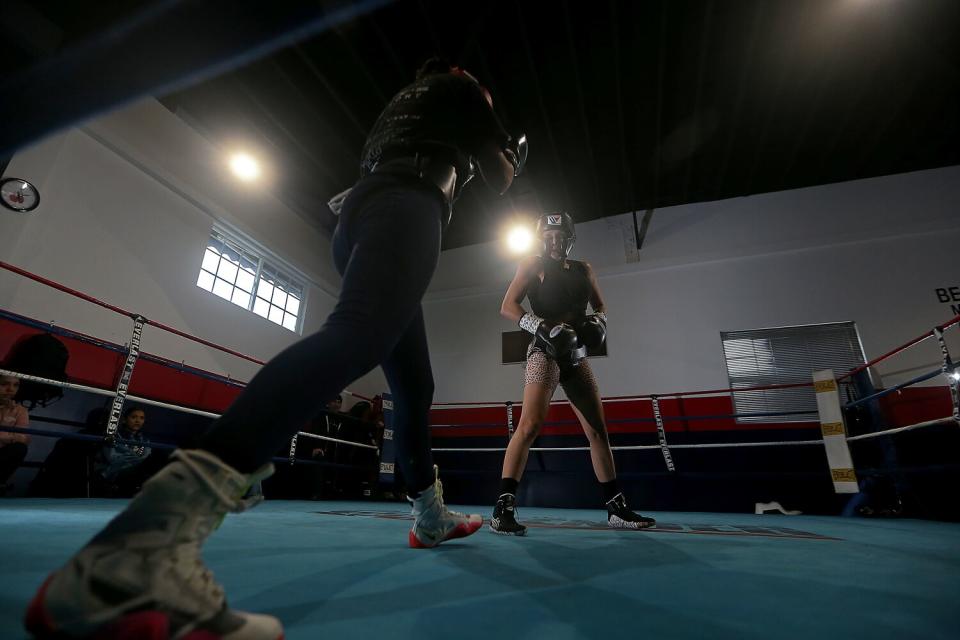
(142, 576)
(559, 290)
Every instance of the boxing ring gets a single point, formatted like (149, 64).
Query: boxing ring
(342, 568)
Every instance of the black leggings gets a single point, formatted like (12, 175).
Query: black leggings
(386, 247)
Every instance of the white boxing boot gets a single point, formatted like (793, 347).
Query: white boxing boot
(142, 576)
(434, 523)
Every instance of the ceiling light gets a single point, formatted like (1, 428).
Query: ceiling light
(519, 239)
(244, 166)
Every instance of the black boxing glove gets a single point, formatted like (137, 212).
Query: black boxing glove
(571, 360)
(593, 330)
(516, 153)
(556, 341)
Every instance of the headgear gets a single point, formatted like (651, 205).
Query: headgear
(559, 221)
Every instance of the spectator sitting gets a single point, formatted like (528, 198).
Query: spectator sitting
(13, 446)
(329, 424)
(66, 473)
(120, 466)
(322, 483)
(362, 410)
(310, 481)
(368, 430)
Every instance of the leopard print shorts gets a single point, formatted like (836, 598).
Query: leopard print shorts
(543, 370)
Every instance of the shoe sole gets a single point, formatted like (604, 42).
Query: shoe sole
(460, 531)
(618, 523)
(37, 621)
(522, 532)
(142, 625)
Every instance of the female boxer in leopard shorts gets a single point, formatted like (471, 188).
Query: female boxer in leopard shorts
(559, 290)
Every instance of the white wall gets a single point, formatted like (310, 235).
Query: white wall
(127, 205)
(128, 202)
(872, 251)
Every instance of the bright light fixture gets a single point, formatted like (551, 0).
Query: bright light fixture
(245, 166)
(519, 239)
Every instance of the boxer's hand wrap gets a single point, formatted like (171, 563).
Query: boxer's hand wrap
(593, 330)
(516, 153)
(530, 322)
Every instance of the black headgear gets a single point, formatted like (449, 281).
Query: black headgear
(432, 66)
(559, 221)
(437, 65)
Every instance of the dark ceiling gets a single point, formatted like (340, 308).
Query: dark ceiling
(627, 105)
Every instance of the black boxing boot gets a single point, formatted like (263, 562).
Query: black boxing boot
(619, 516)
(504, 520)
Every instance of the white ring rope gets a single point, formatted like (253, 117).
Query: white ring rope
(909, 427)
(651, 447)
(107, 393)
(154, 403)
(717, 445)
(307, 434)
(441, 406)
(175, 407)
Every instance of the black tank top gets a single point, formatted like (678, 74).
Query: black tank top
(564, 293)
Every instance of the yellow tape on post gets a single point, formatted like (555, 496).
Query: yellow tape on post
(834, 434)
(832, 429)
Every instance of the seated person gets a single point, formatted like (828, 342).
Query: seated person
(121, 466)
(66, 473)
(309, 481)
(329, 423)
(13, 446)
(367, 429)
(322, 483)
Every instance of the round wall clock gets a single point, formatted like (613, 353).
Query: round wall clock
(19, 195)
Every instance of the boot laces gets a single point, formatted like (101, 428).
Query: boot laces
(190, 569)
(508, 500)
(438, 493)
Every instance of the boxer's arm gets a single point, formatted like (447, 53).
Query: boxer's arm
(593, 330)
(596, 298)
(495, 169)
(497, 155)
(510, 308)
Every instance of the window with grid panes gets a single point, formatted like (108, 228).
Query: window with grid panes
(786, 355)
(238, 273)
